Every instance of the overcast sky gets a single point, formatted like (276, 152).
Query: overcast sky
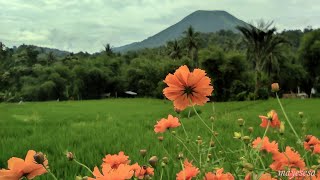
(86, 25)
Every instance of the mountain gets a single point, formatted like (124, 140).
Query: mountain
(201, 21)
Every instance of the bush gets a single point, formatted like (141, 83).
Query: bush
(241, 96)
(263, 93)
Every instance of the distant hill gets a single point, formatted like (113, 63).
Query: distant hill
(201, 21)
(44, 50)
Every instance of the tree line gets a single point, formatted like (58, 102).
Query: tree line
(242, 65)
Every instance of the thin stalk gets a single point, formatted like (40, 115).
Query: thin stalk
(48, 170)
(79, 163)
(186, 148)
(166, 151)
(161, 174)
(184, 130)
(285, 115)
(184, 173)
(199, 155)
(265, 132)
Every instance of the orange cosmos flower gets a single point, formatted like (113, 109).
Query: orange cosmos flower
(264, 144)
(289, 158)
(141, 171)
(272, 118)
(185, 86)
(316, 149)
(115, 160)
(219, 175)
(265, 176)
(189, 171)
(19, 168)
(312, 143)
(122, 172)
(165, 124)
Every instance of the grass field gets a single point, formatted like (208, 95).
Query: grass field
(92, 129)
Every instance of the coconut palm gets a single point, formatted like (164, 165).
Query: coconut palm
(108, 49)
(174, 50)
(191, 42)
(262, 44)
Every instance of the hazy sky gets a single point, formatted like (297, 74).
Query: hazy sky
(86, 25)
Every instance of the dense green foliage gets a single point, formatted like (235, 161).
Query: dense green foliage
(31, 73)
(92, 129)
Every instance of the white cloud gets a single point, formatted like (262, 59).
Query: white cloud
(85, 25)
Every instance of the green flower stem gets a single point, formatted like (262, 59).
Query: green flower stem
(83, 165)
(48, 170)
(260, 144)
(161, 173)
(265, 132)
(209, 146)
(261, 161)
(224, 151)
(199, 155)
(166, 151)
(184, 173)
(285, 115)
(167, 173)
(184, 130)
(185, 147)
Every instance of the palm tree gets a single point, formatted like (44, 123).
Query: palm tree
(191, 41)
(174, 50)
(262, 44)
(108, 49)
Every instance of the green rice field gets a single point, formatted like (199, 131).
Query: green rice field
(92, 129)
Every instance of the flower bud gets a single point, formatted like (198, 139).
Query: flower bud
(180, 155)
(250, 129)
(147, 177)
(315, 167)
(212, 118)
(39, 158)
(209, 156)
(143, 152)
(246, 139)
(282, 128)
(240, 122)
(173, 133)
(275, 87)
(153, 161)
(211, 143)
(160, 138)
(248, 166)
(199, 138)
(70, 156)
(237, 135)
(199, 142)
(215, 133)
(163, 164)
(165, 160)
(301, 114)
